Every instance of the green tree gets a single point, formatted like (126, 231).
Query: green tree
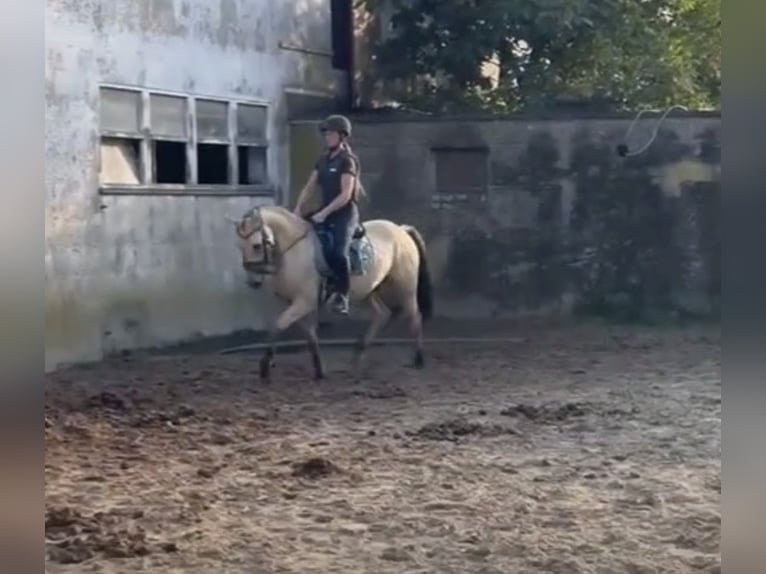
(630, 52)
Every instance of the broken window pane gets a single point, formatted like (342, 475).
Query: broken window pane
(120, 110)
(212, 120)
(168, 116)
(252, 165)
(251, 123)
(120, 161)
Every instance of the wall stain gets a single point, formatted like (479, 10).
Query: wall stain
(632, 239)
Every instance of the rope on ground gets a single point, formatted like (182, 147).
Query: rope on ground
(376, 342)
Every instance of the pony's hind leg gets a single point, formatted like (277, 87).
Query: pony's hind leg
(412, 313)
(381, 316)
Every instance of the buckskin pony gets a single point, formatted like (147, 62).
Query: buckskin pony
(389, 270)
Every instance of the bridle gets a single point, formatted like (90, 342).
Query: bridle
(268, 265)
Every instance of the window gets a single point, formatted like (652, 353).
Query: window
(152, 141)
(169, 136)
(213, 142)
(251, 145)
(121, 137)
(461, 170)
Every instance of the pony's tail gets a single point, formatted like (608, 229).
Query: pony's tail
(425, 291)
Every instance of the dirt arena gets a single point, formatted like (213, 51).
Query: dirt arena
(577, 449)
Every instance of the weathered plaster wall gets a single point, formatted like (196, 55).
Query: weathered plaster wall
(563, 222)
(124, 272)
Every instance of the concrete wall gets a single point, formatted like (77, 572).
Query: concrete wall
(134, 271)
(554, 219)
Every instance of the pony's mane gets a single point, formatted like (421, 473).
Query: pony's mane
(278, 209)
(282, 211)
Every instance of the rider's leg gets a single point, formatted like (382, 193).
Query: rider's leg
(343, 231)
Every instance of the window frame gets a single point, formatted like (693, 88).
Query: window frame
(147, 139)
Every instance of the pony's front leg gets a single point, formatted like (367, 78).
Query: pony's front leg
(309, 324)
(297, 310)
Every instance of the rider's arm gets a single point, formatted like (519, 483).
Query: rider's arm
(347, 182)
(306, 192)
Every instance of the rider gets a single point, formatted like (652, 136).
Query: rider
(336, 172)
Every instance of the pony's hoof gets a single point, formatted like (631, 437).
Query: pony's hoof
(320, 376)
(419, 362)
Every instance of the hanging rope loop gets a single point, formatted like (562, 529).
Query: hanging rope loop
(624, 151)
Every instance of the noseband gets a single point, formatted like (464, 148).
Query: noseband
(266, 266)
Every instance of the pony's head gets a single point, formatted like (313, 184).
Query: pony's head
(255, 241)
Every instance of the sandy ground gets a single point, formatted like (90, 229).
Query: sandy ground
(583, 449)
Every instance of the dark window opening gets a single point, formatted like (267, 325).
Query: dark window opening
(212, 164)
(462, 170)
(341, 21)
(252, 165)
(169, 162)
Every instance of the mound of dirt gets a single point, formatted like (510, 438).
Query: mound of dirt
(157, 417)
(107, 400)
(72, 538)
(553, 412)
(315, 468)
(386, 393)
(452, 430)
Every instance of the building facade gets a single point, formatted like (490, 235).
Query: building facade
(162, 117)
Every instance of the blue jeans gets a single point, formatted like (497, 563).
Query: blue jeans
(336, 233)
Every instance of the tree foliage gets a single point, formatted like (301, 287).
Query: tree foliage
(632, 53)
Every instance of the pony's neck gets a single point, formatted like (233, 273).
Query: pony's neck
(287, 227)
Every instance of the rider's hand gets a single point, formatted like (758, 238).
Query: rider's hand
(318, 217)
